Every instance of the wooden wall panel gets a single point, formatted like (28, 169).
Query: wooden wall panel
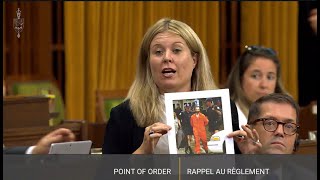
(32, 53)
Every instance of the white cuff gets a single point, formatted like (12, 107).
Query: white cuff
(30, 149)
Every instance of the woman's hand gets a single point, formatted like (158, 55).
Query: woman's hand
(247, 140)
(151, 137)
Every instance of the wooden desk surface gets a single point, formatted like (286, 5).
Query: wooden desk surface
(307, 147)
(23, 99)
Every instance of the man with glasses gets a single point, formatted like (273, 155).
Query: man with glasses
(272, 129)
(272, 126)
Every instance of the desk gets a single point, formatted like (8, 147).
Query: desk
(96, 151)
(29, 136)
(96, 134)
(307, 147)
(25, 111)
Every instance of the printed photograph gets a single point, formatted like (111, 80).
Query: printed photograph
(201, 121)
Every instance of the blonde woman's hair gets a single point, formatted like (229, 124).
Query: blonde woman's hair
(145, 103)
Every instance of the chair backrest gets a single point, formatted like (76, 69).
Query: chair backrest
(106, 100)
(32, 86)
(308, 120)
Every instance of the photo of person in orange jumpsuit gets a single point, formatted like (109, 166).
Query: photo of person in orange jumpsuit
(199, 122)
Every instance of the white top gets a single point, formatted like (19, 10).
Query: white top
(163, 146)
(242, 118)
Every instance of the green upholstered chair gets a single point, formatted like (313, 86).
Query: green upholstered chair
(106, 100)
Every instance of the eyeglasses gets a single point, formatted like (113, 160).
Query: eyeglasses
(271, 125)
(255, 48)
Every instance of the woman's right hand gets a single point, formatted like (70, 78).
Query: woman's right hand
(151, 137)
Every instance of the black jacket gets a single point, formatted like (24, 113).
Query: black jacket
(123, 136)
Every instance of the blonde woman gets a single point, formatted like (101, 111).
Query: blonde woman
(171, 59)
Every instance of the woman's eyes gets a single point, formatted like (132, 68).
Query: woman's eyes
(258, 76)
(176, 51)
(255, 76)
(271, 77)
(160, 52)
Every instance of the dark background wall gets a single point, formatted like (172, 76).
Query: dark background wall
(308, 55)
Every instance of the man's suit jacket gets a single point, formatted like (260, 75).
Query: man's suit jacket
(15, 150)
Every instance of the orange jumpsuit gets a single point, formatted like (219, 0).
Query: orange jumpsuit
(199, 131)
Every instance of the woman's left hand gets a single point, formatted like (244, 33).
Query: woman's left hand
(247, 140)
